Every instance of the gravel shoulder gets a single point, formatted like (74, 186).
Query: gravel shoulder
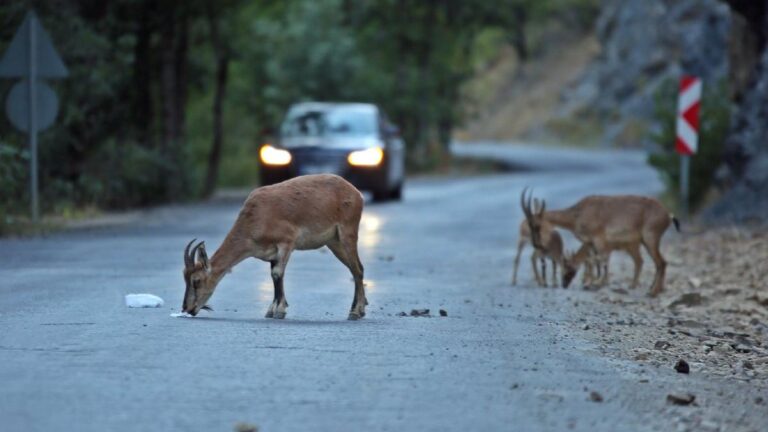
(713, 315)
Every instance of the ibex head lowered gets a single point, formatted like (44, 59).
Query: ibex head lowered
(197, 276)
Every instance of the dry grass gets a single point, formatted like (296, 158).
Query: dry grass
(511, 101)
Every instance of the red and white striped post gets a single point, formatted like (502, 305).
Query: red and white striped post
(687, 142)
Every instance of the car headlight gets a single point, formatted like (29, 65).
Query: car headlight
(367, 157)
(274, 156)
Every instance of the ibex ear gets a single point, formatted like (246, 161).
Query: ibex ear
(202, 257)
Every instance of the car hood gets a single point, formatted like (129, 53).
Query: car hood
(331, 142)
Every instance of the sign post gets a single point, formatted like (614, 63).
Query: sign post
(687, 128)
(31, 105)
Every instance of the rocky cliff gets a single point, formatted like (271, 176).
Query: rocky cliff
(645, 44)
(744, 174)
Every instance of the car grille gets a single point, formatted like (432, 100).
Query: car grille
(329, 160)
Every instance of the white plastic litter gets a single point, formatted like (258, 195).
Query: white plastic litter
(143, 301)
(181, 315)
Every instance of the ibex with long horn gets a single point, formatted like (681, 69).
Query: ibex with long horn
(610, 222)
(553, 250)
(303, 213)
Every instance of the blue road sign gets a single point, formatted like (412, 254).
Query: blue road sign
(17, 105)
(16, 61)
(32, 105)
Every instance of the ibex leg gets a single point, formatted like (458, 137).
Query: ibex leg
(277, 266)
(535, 267)
(634, 252)
(345, 249)
(554, 274)
(520, 246)
(651, 244)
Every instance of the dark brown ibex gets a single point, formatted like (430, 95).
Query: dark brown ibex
(306, 212)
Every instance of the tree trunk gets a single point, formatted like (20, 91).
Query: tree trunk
(180, 71)
(519, 40)
(173, 88)
(424, 61)
(173, 57)
(168, 80)
(142, 74)
(214, 157)
(222, 70)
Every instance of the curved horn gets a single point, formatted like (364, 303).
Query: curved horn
(193, 254)
(522, 203)
(202, 256)
(528, 201)
(188, 261)
(525, 203)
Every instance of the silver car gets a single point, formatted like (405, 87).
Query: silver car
(353, 140)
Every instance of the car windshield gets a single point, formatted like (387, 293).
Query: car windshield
(339, 121)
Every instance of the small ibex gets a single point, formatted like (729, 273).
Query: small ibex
(599, 261)
(585, 256)
(552, 250)
(593, 261)
(306, 212)
(606, 223)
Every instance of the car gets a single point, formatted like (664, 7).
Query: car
(353, 140)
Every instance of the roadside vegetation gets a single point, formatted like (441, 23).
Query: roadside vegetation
(168, 100)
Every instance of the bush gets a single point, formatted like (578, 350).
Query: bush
(125, 175)
(14, 165)
(714, 123)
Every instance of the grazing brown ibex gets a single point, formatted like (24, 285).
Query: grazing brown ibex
(552, 250)
(599, 261)
(610, 222)
(306, 212)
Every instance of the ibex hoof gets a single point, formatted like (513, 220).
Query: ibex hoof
(279, 315)
(269, 314)
(353, 316)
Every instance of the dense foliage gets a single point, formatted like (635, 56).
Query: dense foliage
(167, 99)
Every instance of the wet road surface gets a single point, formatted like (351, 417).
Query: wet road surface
(74, 358)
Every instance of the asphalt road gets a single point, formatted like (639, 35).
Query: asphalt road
(73, 357)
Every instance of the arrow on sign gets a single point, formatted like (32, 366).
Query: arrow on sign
(688, 115)
(16, 60)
